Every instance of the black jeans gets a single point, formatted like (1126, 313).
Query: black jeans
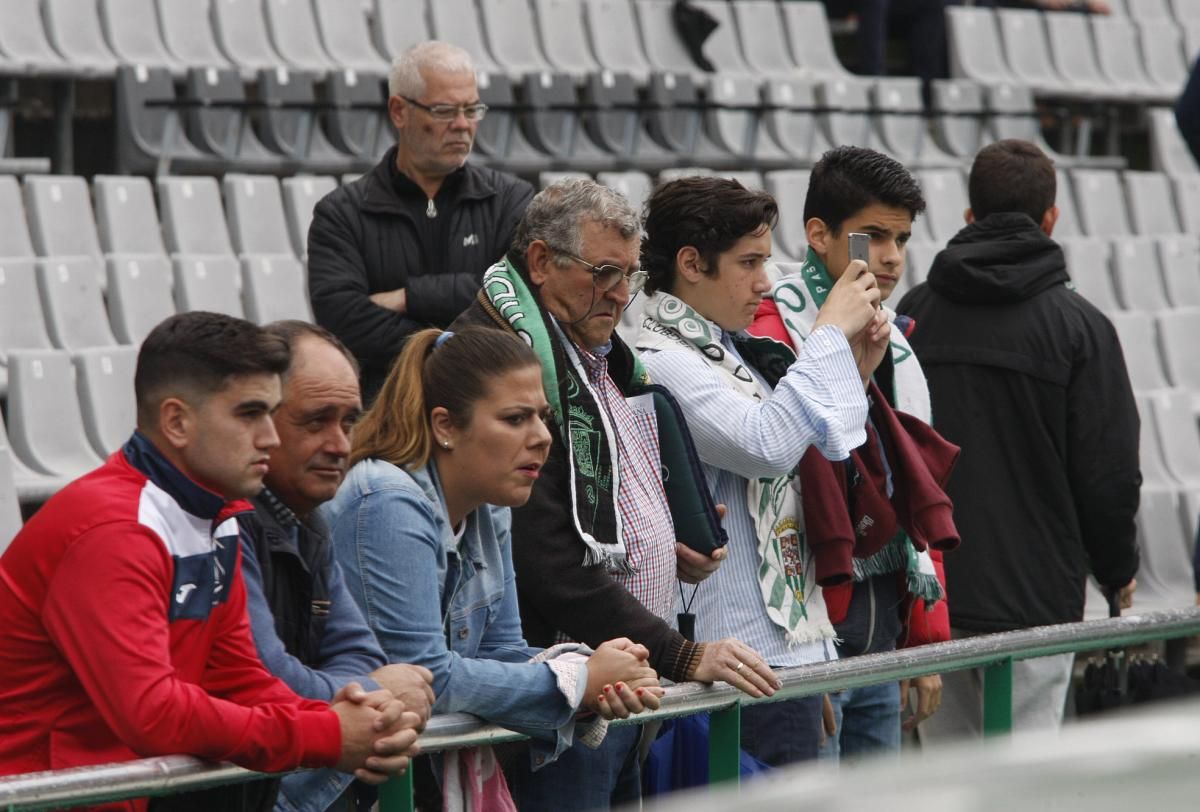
(779, 733)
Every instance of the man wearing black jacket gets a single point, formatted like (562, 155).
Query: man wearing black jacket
(404, 247)
(1029, 379)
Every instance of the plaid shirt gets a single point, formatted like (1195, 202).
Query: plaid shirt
(646, 527)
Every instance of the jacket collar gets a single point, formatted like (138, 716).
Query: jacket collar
(431, 485)
(197, 500)
(380, 195)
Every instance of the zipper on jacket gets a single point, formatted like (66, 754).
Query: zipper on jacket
(431, 210)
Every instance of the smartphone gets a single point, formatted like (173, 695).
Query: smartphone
(860, 247)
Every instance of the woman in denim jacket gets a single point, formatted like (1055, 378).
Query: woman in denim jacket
(456, 431)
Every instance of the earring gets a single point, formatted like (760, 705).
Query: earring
(445, 443)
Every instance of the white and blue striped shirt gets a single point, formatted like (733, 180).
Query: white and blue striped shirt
(820, 401)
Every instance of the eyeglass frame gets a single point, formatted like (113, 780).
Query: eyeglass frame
(457, 108)
(636, 279)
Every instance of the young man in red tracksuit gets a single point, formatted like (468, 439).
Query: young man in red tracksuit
(122, 608)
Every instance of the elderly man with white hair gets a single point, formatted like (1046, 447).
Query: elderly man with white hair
(405, 246)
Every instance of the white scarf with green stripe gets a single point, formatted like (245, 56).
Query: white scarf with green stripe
(786, 573)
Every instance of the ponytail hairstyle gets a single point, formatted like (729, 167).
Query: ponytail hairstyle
(436, 368)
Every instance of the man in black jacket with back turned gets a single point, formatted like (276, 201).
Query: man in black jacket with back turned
(405, 246)
(1029, 379)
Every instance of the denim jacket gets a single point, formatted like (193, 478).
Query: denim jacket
(451, 608)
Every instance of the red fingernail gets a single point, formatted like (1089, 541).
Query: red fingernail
(620, 686)
(602, 698)
(638, 692)
(607, 688)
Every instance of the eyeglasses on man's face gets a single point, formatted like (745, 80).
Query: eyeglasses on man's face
(449, 112)
(607, 277)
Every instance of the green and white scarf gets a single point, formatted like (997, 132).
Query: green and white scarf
(582, 424)
(798, 298)
(786, 574)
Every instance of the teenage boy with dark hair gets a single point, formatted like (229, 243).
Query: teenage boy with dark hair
(1028, 378)
(122, 607)
(754, 408)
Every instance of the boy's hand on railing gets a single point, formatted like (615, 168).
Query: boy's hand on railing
(411, 684)
(734, 662)
(378, 735)
(929, 698)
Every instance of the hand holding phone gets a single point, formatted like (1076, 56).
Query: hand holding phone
(860, 247)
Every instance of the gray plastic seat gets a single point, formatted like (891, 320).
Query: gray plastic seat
(564, 38)
(845, 117)
(457, 22)
(22, 324)
(1088, 263)
(132, 28)
(1161, 47)
(549, 178)
(44, 419)
(511, 36)
(33, 487)
(1185, 11)
(1142, 359)
(192, 217)
(151, 134)
(73, 28)
(300, 195)
(1168, 151)
(1148, 9)
(139, 294)
(221, 126)
(1012, 114)
(1178, 434)
(975, 48)
(1068, 213)
(1101, 202)
(812, 42)
(15, 241)
(763, 39)
(723, 47)
(749, 178)
(73, 303)
(293, 33)
(1179, 256)
(789, 187)
(676, 173)
(1150, 205)
(1187, 201)
(730, 117)
(1177, 329)
(898, 115)
(126, 216)
(356, 120)
(1151, 461)
(1075, 56)
(635, 185)
(919, 256)
(396, 25)
(945, 192)
(1118, 53)
(10, 508)
(613, 122)
(1135, 267)
(346, 35)
(1164, 572)
(254, 212)
(1028, 52)
(241, 30)
(274, 288)
(23, 40)
(957, 116)
(106, 399)
(210, 283)
(790, 119)
(188, 35)
(616, 38)
(664, 47)
(60, 216)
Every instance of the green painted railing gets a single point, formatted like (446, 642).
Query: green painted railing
(993, 653)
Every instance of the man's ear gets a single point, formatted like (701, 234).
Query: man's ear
(968, 215)
(818, 235)
(397, 112)
(538, 258)
(1049, 220)
(688, 265)
(175, 422)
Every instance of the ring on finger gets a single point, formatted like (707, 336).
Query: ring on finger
(739, 667)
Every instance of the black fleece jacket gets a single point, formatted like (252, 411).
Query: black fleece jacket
(1029, 379)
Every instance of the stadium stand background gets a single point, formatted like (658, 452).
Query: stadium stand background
(191, 139)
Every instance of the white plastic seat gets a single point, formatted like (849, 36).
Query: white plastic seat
(635, 185)
(396, 25)
(1185, 11)
(789, 187)
(1068, 223)
(846, 119)
(73, 28)
(210, 283)
(274, 288)
(1178, 329)
(1179, 256)
(1150, 456)
(188, 34)
(10, 508)
(763, 39)
(1179, 437)
(1075, 56)
(293, 31)
(1168, 151)
(457, 22)
(812, 42)
(1088, 265)
(254, 210)
(616, 37)
(1136, 331)
(60, 216)
(918, 259)
(22, 324)
(1028, 52)
(139, 294)
(72, 302)
(1161, 46)
(300, 195)
(1187, 201)
(945, 192)
(1165, 572)
(126, 215)
(346, 35)
(564, 38)
(192, 217)
(132, 28)
(106, 397)
(45, 423)
(1101, 202)
(1136, 269)
(1150, 205)
(1117, 52)
(510, 34)
(23, 40)
(723, 47)
(976, 50)
(241, 30)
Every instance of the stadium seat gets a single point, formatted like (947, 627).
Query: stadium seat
(635, 185)
(1136, 332)
(1088, 264)
(1151, 462)
(564, 38)
(615, 37)
(33, 487)
(845, 115)
(945, 193)
(1178, 328)
(1148, 9)
(138, 295)
(457, 22)
(22, 324)
(105, 382)
(812, 42)
(499, 140)
(1179, 256)
(1118, 54)
(396, 26)
(511, 36)
(1101, 202)
(73, 28)
(548, 178)
(60, 216)
(900, 124)
(730, 118)
(673, 119)
(723, 47)
(1012, 114)
(192, 218)
(664, 47)
(1067, 224)
(274, 288)
(208, 283)
(45, 423)
(790, 118)
(346, 37)
(10, 508)
(957, 116)
(126, 216)
(188, 34)
(1074, 52)
(1168, 151)
(1164, 573)
(975, 48)
(1185, 11)
(289, 125)
(220, 125)
(763, 39)
(73, 303)
(1179, 438)
(1028, 50)
(918, 259)
(1187, 201)
(23, 40)
(789, 188)
(1151, 207)
(1136, 270)
(132, 28)
(240, 28)
(15, 242)
(612, 119)
(254, 212)
(668, 175)
(300, 195)
(150, 132)
(751, 179)
(293, 31)
(1161, 47)
(357, 122)
(549, 122)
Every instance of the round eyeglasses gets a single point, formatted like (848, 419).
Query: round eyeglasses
(607, 277)
(449, 112)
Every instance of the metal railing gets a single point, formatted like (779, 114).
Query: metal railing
(995, 653)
